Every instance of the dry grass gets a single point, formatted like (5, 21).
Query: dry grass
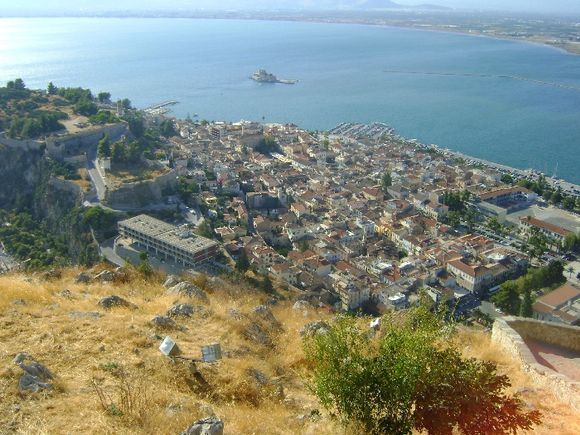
(111, 378)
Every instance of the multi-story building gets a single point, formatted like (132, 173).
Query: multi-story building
(177, 243)
(551, 231)
(561, 305)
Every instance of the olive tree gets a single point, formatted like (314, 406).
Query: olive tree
(410, 377)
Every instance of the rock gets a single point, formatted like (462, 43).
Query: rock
(36, 376)
(262, 312)
(184, 310)
(21, 357)
(105, 276)
(205, 426)
(52, 274)
(36, 370)
(301, 305)
(85, 314)
(171, 281)
(115, 301)
(30, 383)
(66, 293)
(235, 314)
(163, 322)
(19, 302)
(190, 290)
(257, 334)
(82, 278)
(318, 327)
(260, 378)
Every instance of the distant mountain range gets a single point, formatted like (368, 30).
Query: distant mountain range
(87, 6)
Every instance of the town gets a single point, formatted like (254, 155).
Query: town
(354, 219)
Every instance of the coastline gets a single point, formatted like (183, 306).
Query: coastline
(321, 20)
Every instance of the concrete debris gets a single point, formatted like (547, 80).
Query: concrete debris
(206, 426)
(115, 301)
(317, 327)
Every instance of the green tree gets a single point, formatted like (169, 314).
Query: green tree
(266, 285)
(51, 89)
(507, 298)
(526, 306)
(243, 264)
(571, 242)
(409, 377)
(104, 148)
(386, 181)
(507, 179)
(167, 129)
(205, 230)
(104, 97)
(118, 152)
(17, 84)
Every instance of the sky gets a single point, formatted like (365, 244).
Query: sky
(554, 6)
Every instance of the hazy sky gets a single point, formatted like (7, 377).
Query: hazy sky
(561, 6)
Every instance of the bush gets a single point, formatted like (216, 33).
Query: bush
(410, 379)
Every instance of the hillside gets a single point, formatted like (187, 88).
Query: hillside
(257, 387)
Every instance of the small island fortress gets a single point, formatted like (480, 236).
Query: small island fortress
(263, 76)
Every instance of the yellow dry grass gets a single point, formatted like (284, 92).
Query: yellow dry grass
(117, 355)
(120, 349)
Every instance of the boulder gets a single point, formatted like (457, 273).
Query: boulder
(82, 278)
(171, 281)
(52, 274)
(36, 377)
(190, 290)
(181, 310)
(317, 327)
(205, 426)
(105, 276)
(163, 322)
(263, 313)
(115, 301)
(301, 305)
(258, 335)
(66, 294)
(85, 314)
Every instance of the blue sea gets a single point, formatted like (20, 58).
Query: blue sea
(205, 65)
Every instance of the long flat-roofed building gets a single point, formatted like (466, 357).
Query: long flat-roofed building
(168, 240)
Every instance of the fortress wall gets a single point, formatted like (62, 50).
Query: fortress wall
(26, 145)
(60, 147)
(506, 333)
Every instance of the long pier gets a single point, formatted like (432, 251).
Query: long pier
(487, 76)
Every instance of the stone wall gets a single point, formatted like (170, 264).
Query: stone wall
(142, 193)
(26, 145)
(59, 147)
(509, 333)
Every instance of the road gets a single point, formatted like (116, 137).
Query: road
(95, 175)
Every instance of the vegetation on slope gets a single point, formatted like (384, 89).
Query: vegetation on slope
(258, 386)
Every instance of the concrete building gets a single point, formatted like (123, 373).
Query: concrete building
(553, 232)
(167, 240)
(561, 305)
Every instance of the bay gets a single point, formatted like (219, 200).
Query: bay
(341, 68)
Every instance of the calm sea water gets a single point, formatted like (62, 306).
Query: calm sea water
(205, 64)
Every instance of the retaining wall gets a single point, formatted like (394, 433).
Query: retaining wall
(510, 332)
